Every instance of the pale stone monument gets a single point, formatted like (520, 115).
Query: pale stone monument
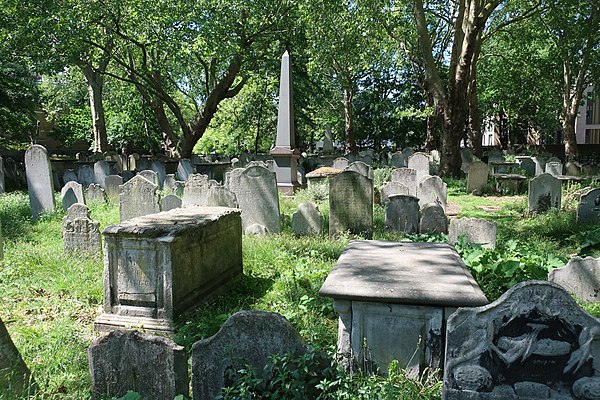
(95, 194)
(544, 193)
(477, 177)
(170, 202)
(195, 190)
(420, 163)
(432, 189)
(350, 204)
(390, 189)
(70, 194)
(476, 230)
(407, 177)
(554, 168)
(580, 277)
(340, 163)
(39, 180)
(138, 197)
(81, 235)
(161, 172)
(150, 175)
(307, 220)
(184, 169)
(360, 167)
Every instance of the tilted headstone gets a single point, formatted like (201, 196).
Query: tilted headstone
(153, 366)
(39, 180)
(255, 189)
(588, 209)
(573, 169)
(350, 204)
(69, 175)
(138, 197)
(184, 169)
(433, 219)
(307, 220)
(161, 171)
(81, 235)
(361, 168)
(554, 168)
(534, 342)
(170, 202)
(111, 187)
(407, 177)
(150, 175)
(477, 177)
(246, 338)
(402, 214)
(95, 194)
(580, 277)
(390, 189)
(340, 163)
(70, 194)
(420, 163)
(544, 193)
(476, 230)
(16, 381)
(432, 190)
(195, 191)
(101, 171)
(85, 175)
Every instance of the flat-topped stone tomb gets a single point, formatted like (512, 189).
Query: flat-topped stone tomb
(161, 264)
(393, 299)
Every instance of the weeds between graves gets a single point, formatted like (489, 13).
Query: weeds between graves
(49, 301)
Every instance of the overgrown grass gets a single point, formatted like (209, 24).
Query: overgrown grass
(49, 300)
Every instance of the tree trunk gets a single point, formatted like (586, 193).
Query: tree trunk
(95, 83)
(349, 123)
(568, 125)
(474, 116)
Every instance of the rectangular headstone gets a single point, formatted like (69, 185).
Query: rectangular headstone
(70, 194)
(580, 277)
(111, 187)
(86, 175)
(350, 204)
(402, 214)
(476, 230)
(544, 193)
(81, 235)
(101, 171)
(39, 180)
(420, 163)
(588, 209)
(407, 177)
(138, 197)
(477, 177)
(432, 189)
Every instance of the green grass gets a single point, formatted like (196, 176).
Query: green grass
(49, 300)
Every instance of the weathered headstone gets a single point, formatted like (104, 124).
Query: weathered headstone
(70, 194)
(340, 163)
(527, 165)
(544, 193)
(170, 202)
(195, 191)
(407, 152)
(433, 219)
(588, 209)
(111, 187)
(398, 160)
(350, 204)
(169, 184)
(573, 168)
(432, 190)
(39, 180)
(477, 177)
(220, 196)
(153, 366)
(534, 342)
(495, 154)
(420, 163)
(138, 197)
(390, 189)
(85, 175)
(101, 171)
(95, 194)
(184, 169)
(150, 175)
(554, 168)
(161, 171)
(16, 381)
(255, 189)
(407, 177)
(143, 164)
(402, 214)
(540, 165)
(580, 277)
(69, 175)
(246, 338)
(81, 235)
(476, 230)
(466, 156)
(307, 220)
(360, 167)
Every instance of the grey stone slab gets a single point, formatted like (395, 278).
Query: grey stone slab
(170, 202)
(580, 277)
(153, 366)
(540, 165)
(534, 342)
(420, 163)
(554, 168)
(404, 273)
(433, 219)
(86, 175)
(588, 208)
(340, 163)
(138, 197)
(285, 137)
(527, 165)
(150, 175)
(495, 154)
(392, 188)
(398, 160)
(195, 191)
(112, 185)
(161, 171)
(307, 220)
(477, 177)
(350, 204)
(432, 190)
(16, 381)
(246, 338)
(544, 193)
(101, 171)
(407, 177)
(40, 185)
(69, 175)
(476, 230)
(360, 167)
(81, 235)
(402, 214)
(573, 169)
(70, 194)
(220, 196)
(184, 169)
(95, 194)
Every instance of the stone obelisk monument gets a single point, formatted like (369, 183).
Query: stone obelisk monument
(284, 152)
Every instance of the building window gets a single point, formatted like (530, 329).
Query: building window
(592, 136)
(592, 111)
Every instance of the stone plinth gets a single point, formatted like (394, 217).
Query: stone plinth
(159, 265)
(393, 299)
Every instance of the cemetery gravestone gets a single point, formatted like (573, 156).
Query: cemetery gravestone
(150, 175)
(153, 366)
(407, 152)
(433, 219)
(195, 191)
(361, 168)
(246, 338)
(534, 342)
(588, 209)
(540, 165)
(466, 155)
(220, 196)
(544, 193)
(307, 220)
(70, 194)
(573, 169)
(39, 180)
(390, 189)
(111, 187)
(81, 235)
(255, 189)
(85, 175)
(143, 164)
(407, 177)
(432, 190)
(15, 377)
(159, 167)
(95, 194)
(398, 160)
(184, 169)
(138, 197)
(477, 177)
(528, 165)
(495, 154)
(350, 204)
(340, 163)
(170, 202)
(554, 168)
(420, 163)
(580, 277)
(101, 171)
(69, 175)
(402, 214)
(169, 184)
(476, 230)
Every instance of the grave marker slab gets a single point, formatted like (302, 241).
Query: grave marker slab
(150, 175)
(390, 189)
(420, 163)
(95, 194)
(554, 168)
(170, 202)
(433, 219)
(39, 180)
(588, 209)
(432, 189)
(15, 377)
(398, 160)
(195, 191)
(81, 235)
(544, 193)
(101, 171)
(477, 230)
(350, 204)
(220, 196)
(477, 177)
(138, 197)
(161, 171)
(407, 177)
(111, 187)
(307, 220)
(70, 194)
(402, 214)
(86, 175)
(360, 167)
(184, 169)
(580, 277)
(69, 175)
(340, 163)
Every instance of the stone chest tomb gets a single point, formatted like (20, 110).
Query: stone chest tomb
(159, 265)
